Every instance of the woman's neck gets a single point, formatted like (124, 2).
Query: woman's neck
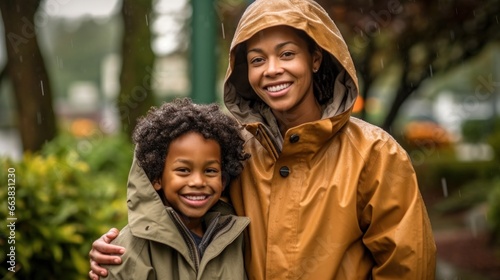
(292, 118)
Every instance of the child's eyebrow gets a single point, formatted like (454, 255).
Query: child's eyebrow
(190, 161)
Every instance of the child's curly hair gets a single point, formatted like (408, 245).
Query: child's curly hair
(155, 131)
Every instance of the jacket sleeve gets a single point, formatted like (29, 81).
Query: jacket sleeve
(394, 218)
(136, 263)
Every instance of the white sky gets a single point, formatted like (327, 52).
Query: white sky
(79, 8)
(165, 27)
(99, 8)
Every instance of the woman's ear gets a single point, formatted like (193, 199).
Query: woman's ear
(317, 58)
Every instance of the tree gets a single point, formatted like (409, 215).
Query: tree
(27, 72)
(420, 37)
(136, 94)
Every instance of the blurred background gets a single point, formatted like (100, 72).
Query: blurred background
(76, 74)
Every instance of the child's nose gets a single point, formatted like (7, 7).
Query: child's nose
(196, 180)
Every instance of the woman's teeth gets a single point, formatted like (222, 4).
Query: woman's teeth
(278, 87)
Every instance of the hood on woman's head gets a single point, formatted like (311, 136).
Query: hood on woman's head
(310, 19)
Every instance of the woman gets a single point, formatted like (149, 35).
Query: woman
(329, 196)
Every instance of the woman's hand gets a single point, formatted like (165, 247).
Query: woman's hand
(104, 253)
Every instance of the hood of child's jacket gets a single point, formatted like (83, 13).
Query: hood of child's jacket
(145, 207)
(305, 15)
(147, 215)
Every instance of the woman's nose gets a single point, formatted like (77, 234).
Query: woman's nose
(273, 68)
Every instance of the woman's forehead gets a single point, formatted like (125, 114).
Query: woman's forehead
(275, 33)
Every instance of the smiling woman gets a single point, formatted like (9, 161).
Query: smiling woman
(280, 70)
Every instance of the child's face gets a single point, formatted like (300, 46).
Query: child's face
(192, 176)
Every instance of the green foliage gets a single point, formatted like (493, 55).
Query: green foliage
(494, 211)
(475, 131)
(436, 166)
(469, 195)
(494, 194)
(66, 196)
(494, 139)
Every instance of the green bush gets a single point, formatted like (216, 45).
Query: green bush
(494, 211)
(475, 131)
(65, 197)
(433, 167)
(494, 195)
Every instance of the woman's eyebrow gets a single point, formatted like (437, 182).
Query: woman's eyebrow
(277, 47)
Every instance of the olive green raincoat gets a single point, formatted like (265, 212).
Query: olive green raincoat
(159, 246)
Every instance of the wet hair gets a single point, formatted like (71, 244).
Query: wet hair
(155, 131)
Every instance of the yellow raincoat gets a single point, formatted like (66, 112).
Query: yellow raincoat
(333, 199)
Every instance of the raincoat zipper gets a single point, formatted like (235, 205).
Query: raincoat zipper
(193, 251)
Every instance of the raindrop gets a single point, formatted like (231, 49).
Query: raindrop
(444, 186)
(430, 70)
(59, 62)
(38, 117)
(496, 18)
(41, 86)
(382, 63)
(223, 33)
(20, 58)
(147, 20)
(452, 35)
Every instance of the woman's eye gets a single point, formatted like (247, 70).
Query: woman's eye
(287, 54)
(257, 60)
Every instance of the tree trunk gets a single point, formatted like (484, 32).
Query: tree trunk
(27, 72)
(136, 95)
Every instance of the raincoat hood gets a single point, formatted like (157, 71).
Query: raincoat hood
(305, 15)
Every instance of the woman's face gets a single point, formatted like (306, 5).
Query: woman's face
(280, 69)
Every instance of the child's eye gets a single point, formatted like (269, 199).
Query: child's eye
(212, 171)
(182, 170)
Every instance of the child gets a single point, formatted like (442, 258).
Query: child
(178, 227)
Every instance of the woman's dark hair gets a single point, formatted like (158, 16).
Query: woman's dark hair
(324, 79)
(155, 131)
